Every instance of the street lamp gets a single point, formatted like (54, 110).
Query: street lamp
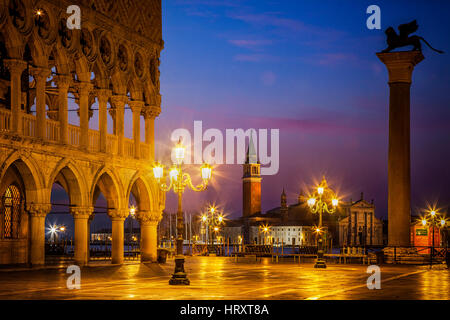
(318, 204)
(265, 229)
(179, 180)
(213, 219)
(436, 220)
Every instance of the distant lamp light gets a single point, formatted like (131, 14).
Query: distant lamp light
(212, 209)
(311, 202)
(424, 222)
(433, 213)
(62, 229)
(216, 229)
(220, 218)
(320, 190)
(442, 222)
(335, 202)
(204, 218)
(39, 12)
(132, 211)
(317, 230)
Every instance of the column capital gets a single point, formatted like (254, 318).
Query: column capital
(400, 65)
(103, 94)
(40, 73)
(148, 217)
(84, 87)
(118, 100)
(39, 209)
(63, 81)
(118, 214)
(151, 112)
(81, 212)
(15, 65)
(136, 105)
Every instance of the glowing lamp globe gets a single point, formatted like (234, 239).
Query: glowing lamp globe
(173, 174)
(206, 171)
(179, 152)
(158, 171)
(320, 190)
(442, 222)
(424, 222)
(311, 202)
(335, 202)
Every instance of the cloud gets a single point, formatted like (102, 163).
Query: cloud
(250, 44)
(254, 57)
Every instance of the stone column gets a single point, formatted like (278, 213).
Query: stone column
(148, 221)
(118, 102)
(40, 75)
(84, 88)
(150, 113)
(400, 66)
(81, 216)
(16, 67)
(136, 107)
(103, 96)
(118, 217)
(37, 219)
(63, 82)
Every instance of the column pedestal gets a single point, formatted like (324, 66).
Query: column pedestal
(400, 66)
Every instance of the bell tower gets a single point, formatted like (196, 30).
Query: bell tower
(251, 181)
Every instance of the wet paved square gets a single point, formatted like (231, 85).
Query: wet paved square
(223, 278)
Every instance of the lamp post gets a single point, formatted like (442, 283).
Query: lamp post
(179, 180)
(318, 204)
(265, 229)
(435, 220)
(213, 219)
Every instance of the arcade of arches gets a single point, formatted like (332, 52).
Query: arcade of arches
(112, 62)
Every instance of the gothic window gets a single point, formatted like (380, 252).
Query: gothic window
(11, 204)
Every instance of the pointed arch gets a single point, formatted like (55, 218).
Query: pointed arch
(28, 170)
(143, 191)
(110, 185)
(69, 177)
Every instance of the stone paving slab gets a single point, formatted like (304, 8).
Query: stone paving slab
(222, 278)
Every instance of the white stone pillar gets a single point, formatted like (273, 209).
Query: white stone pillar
(84, 88)
(103, 96)
(40, 75)
(150, 113)
(81, 217)
(63, 83)
(16, 67)
(118, 102)
(148, 221)
(136, 107)
(37, 218)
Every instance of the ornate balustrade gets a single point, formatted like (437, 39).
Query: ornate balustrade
(53, 132)
(5, 120)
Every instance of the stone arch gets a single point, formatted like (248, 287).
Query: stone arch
(109, 184)
(82, 69)
(143, 192)
(30, 174)
(62, 63)
(136, 90)
(69, 177)
(39, 51)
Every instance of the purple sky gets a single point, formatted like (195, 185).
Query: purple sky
(310, 70)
